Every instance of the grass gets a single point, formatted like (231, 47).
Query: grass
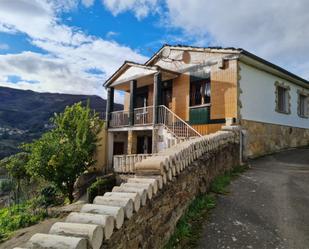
(190, 226)
(220, 183)
(18, 216)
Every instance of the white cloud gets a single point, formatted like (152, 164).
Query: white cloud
(70, 52)
(140, 8)
(88, 3)
(4, 46)
(277, 30)
(111, 34)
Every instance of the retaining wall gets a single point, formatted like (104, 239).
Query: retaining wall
(152, 226)
(143, 212)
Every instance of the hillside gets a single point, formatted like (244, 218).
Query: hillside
(24, 115)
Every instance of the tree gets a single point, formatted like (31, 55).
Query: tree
(62, 154)
(16, 167)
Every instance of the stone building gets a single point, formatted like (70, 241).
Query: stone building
(183, 92)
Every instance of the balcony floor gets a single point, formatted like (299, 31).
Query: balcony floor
(132, 128)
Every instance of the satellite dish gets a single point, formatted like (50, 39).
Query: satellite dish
(186, 57)
(166, 52)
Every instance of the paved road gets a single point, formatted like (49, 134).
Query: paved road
(267, 207)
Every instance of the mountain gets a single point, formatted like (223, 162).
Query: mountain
(25, 114)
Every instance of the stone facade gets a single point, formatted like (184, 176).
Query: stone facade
(263, 138)
(132, 140)
(152, 226)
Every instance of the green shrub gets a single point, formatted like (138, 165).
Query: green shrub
(49, 196)
(100, 187)
(6, 185)
(18, 216)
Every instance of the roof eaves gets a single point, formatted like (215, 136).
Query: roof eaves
(282, 70)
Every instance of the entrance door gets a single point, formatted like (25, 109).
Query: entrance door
(144, 145)
(118, 148)
(167, 92)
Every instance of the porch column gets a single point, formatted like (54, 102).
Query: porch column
(133, 84)
(156, 95)
(109, 104)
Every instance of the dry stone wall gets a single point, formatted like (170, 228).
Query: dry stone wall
(143, 212)
(263, 138)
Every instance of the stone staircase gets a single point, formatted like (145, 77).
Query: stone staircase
(96, 222)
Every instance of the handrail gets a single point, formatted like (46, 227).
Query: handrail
(180, 130)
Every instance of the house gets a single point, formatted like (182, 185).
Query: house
(183, 92)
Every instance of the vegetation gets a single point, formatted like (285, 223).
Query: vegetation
(62, 154)
(99, 187)
(19, 216)
(29, 112)
(189, 227)
(15, 166)
(220, 183)
(49, 166)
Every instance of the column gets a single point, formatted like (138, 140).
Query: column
(156, 95)
(133, 84)
(109, 104)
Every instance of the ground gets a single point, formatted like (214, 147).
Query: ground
(267, 207)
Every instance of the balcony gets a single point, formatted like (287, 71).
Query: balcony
(145, 117)
(142, 117)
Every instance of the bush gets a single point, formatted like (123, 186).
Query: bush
(100, 187)
(18, 216)
(6, 185)
(49, 196)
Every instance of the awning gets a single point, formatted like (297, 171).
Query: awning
(133, 71)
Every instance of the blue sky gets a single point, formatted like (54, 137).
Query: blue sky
(72, 46)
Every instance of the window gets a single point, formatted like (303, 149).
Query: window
(282, 98)
(200, 92)
(302, 105)
(282, 102)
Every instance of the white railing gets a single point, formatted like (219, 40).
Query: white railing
(175, 124)
(119, 119)
(143, 116)
(126, 163)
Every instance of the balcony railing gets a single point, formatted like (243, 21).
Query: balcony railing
(175, 124)
(143, 116)
(119, 119)
(126, 163)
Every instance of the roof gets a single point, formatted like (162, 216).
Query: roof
(228, 50)
(145, 70)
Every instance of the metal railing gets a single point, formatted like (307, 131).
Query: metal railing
(175, 124)
(126, 163)
(119, 119)
(143, 116)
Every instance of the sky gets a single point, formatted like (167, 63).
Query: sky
(73, 46)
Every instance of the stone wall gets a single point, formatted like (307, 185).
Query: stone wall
(263, 138)
(143, 211)
(154, 223)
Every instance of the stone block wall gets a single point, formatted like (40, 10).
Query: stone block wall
(152, 226)
(143, 211)
(264, 138)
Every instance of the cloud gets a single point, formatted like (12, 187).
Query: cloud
(70, 53)
(277, 30)
(4, 46)
(87, 3)
(140, 8)
(111, 34)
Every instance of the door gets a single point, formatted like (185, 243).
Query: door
(167, 93)
(118, 148)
